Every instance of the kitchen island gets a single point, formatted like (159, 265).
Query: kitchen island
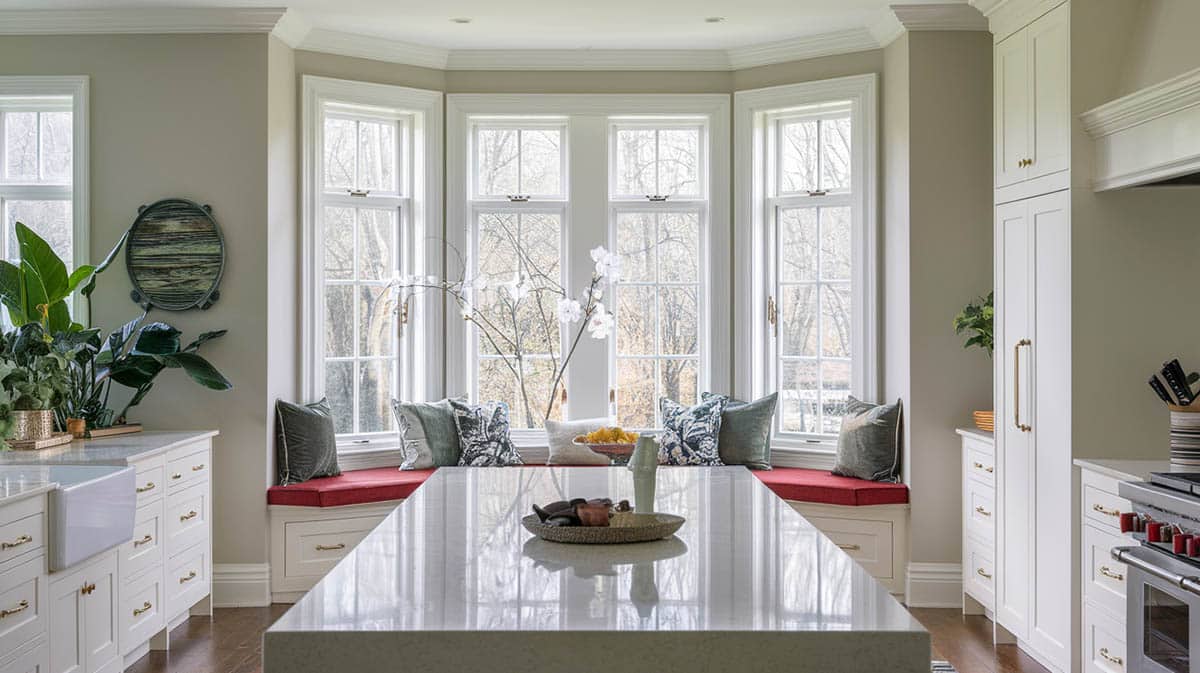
(450, 581)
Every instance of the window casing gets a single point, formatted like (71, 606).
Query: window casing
(368, 209)
(44, 164)
(806, 188)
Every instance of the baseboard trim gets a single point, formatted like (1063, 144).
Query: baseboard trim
(934, 585)
(241, 585)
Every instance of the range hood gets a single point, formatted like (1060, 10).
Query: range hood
(1150, 137)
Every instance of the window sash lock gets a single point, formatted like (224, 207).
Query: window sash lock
(518, 198)
(359, 192)
(657, 198)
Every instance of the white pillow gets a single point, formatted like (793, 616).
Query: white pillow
(560, 435)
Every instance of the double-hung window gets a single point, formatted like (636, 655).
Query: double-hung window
(43, 163)
(534, 185)
(807, 254)
(368, 208)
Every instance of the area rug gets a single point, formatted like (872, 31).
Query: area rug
(942, 667)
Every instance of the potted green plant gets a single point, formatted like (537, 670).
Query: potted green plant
(977, 319)
(35, 380)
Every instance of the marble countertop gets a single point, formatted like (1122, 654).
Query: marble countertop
(1125, 469)
(976, 432)
(120, 450)
(23, 481)
(14, 487)
(454, 558)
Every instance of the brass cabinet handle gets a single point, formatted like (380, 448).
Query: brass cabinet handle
(1104, 510)
(24, 539)
(87, 589)
(188, 577)
(197, 468)
(1017, 385)
(848, 547)
(982, 573)
(331, 547)
(137, 612)
(148, 487)
(21, 607)
(146, 539)
(1114, 659)
(177, 476)
(190, 515)
(979, 466)
(982, 511)
(1107, 572)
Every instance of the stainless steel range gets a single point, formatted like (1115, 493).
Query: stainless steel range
(1163, 620)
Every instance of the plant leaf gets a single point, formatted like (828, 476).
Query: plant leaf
(157, 338)
(78, 276)
(58, 318)
(199, 369)
(90, 286)
(203, 338)
(35, 294)
(135, 370)
(39, 256)
(10, 293)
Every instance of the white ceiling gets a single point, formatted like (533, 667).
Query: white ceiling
(541, 24)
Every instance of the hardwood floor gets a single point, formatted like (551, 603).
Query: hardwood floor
(232, 643)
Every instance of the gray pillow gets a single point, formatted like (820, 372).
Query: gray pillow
(305, 446)
(483, 434)
(428, 436)
(869, 442)
(560, 436)
(746, 431)
(690, 434)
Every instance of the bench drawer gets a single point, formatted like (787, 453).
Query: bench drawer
(1103, 642)
(141, 611)
(867, 542)
(188, 465)
(312, 548)
(24, 531)
(22, 603)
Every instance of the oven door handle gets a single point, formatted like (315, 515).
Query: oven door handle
(1188, 583)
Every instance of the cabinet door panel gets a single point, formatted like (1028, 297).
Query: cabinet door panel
(66, 625)
(1012, 109)
(1049, 67)
(100, 613)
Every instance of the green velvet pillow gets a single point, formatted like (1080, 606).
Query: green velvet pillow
(746, 432)
(306, 446)
(869, 442)
(427, 434)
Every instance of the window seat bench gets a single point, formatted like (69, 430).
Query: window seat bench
(315, 523)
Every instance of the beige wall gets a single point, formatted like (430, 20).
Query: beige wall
(1164, 32)
(185, 116)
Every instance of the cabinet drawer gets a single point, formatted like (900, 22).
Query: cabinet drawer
(980, 513)
(1104, 579)
(187, 579)
(23, 535)
(1104, 509)
(151, 482)
(867, 542)
(312, 548)
(145, 548)
(981, 465)
(978, 573)
(141, 611)
(1103, 642)
(35, 660)
(187, 518)
(188, 465)
(22, 603)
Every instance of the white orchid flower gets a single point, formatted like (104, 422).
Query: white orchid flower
(569, 310)
(600, 325)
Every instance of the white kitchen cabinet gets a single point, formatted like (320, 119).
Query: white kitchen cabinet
(1032, 123)
(978, 517)
(1033, 433)
(83, 617)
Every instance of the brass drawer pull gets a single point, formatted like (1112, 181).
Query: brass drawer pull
(87, 589)
(982, 573)
(190, 515)
(989, 470)
(1104, 510)
(334, 547)
(1116, 660)
(148, 487)
(188, 577)
(177, 476)
(848, 547)
(147, 539)
(24, 539)
(21, 607)
(982, 511)
(1107, 572)
(137, 612)
(197, 468)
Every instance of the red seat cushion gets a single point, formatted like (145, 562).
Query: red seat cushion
(796, 483)
(353, 487)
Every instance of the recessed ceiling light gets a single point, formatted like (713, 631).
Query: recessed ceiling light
(461, 19)
(714, 19)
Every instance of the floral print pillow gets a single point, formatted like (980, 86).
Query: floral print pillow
(690, 433)
(483, 435)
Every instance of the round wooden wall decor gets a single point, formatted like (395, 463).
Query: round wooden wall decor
(175, 256)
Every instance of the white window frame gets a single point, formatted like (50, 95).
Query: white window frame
(75, 87)
(420, 347)
(587, 222)
(754, 112)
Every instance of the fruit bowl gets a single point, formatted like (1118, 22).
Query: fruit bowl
(617, 454)
(614, 443)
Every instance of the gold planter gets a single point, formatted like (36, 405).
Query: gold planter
(33, 425)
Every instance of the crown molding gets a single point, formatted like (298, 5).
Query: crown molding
(587, 59)
(943, 16)
(1158, 100)
(886, 27)
(796, 49)
(292, 28)
(988, 7)
(143, 20)
(374, 48)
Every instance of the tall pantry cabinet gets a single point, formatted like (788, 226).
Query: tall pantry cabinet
(1034, 569)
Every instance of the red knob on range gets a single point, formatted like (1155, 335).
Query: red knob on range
(1179, 543)
(1128, 522)
(1193, 546)
(1154, 531)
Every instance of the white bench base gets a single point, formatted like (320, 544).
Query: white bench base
(876, 536)
(306, 542)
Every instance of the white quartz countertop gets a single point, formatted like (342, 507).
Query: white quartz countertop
(119, 450)
(23, 481)
(976, 432)
(14, 487)
(455, 558)
(1126, 470)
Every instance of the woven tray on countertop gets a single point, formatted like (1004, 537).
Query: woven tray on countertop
(640, 528)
